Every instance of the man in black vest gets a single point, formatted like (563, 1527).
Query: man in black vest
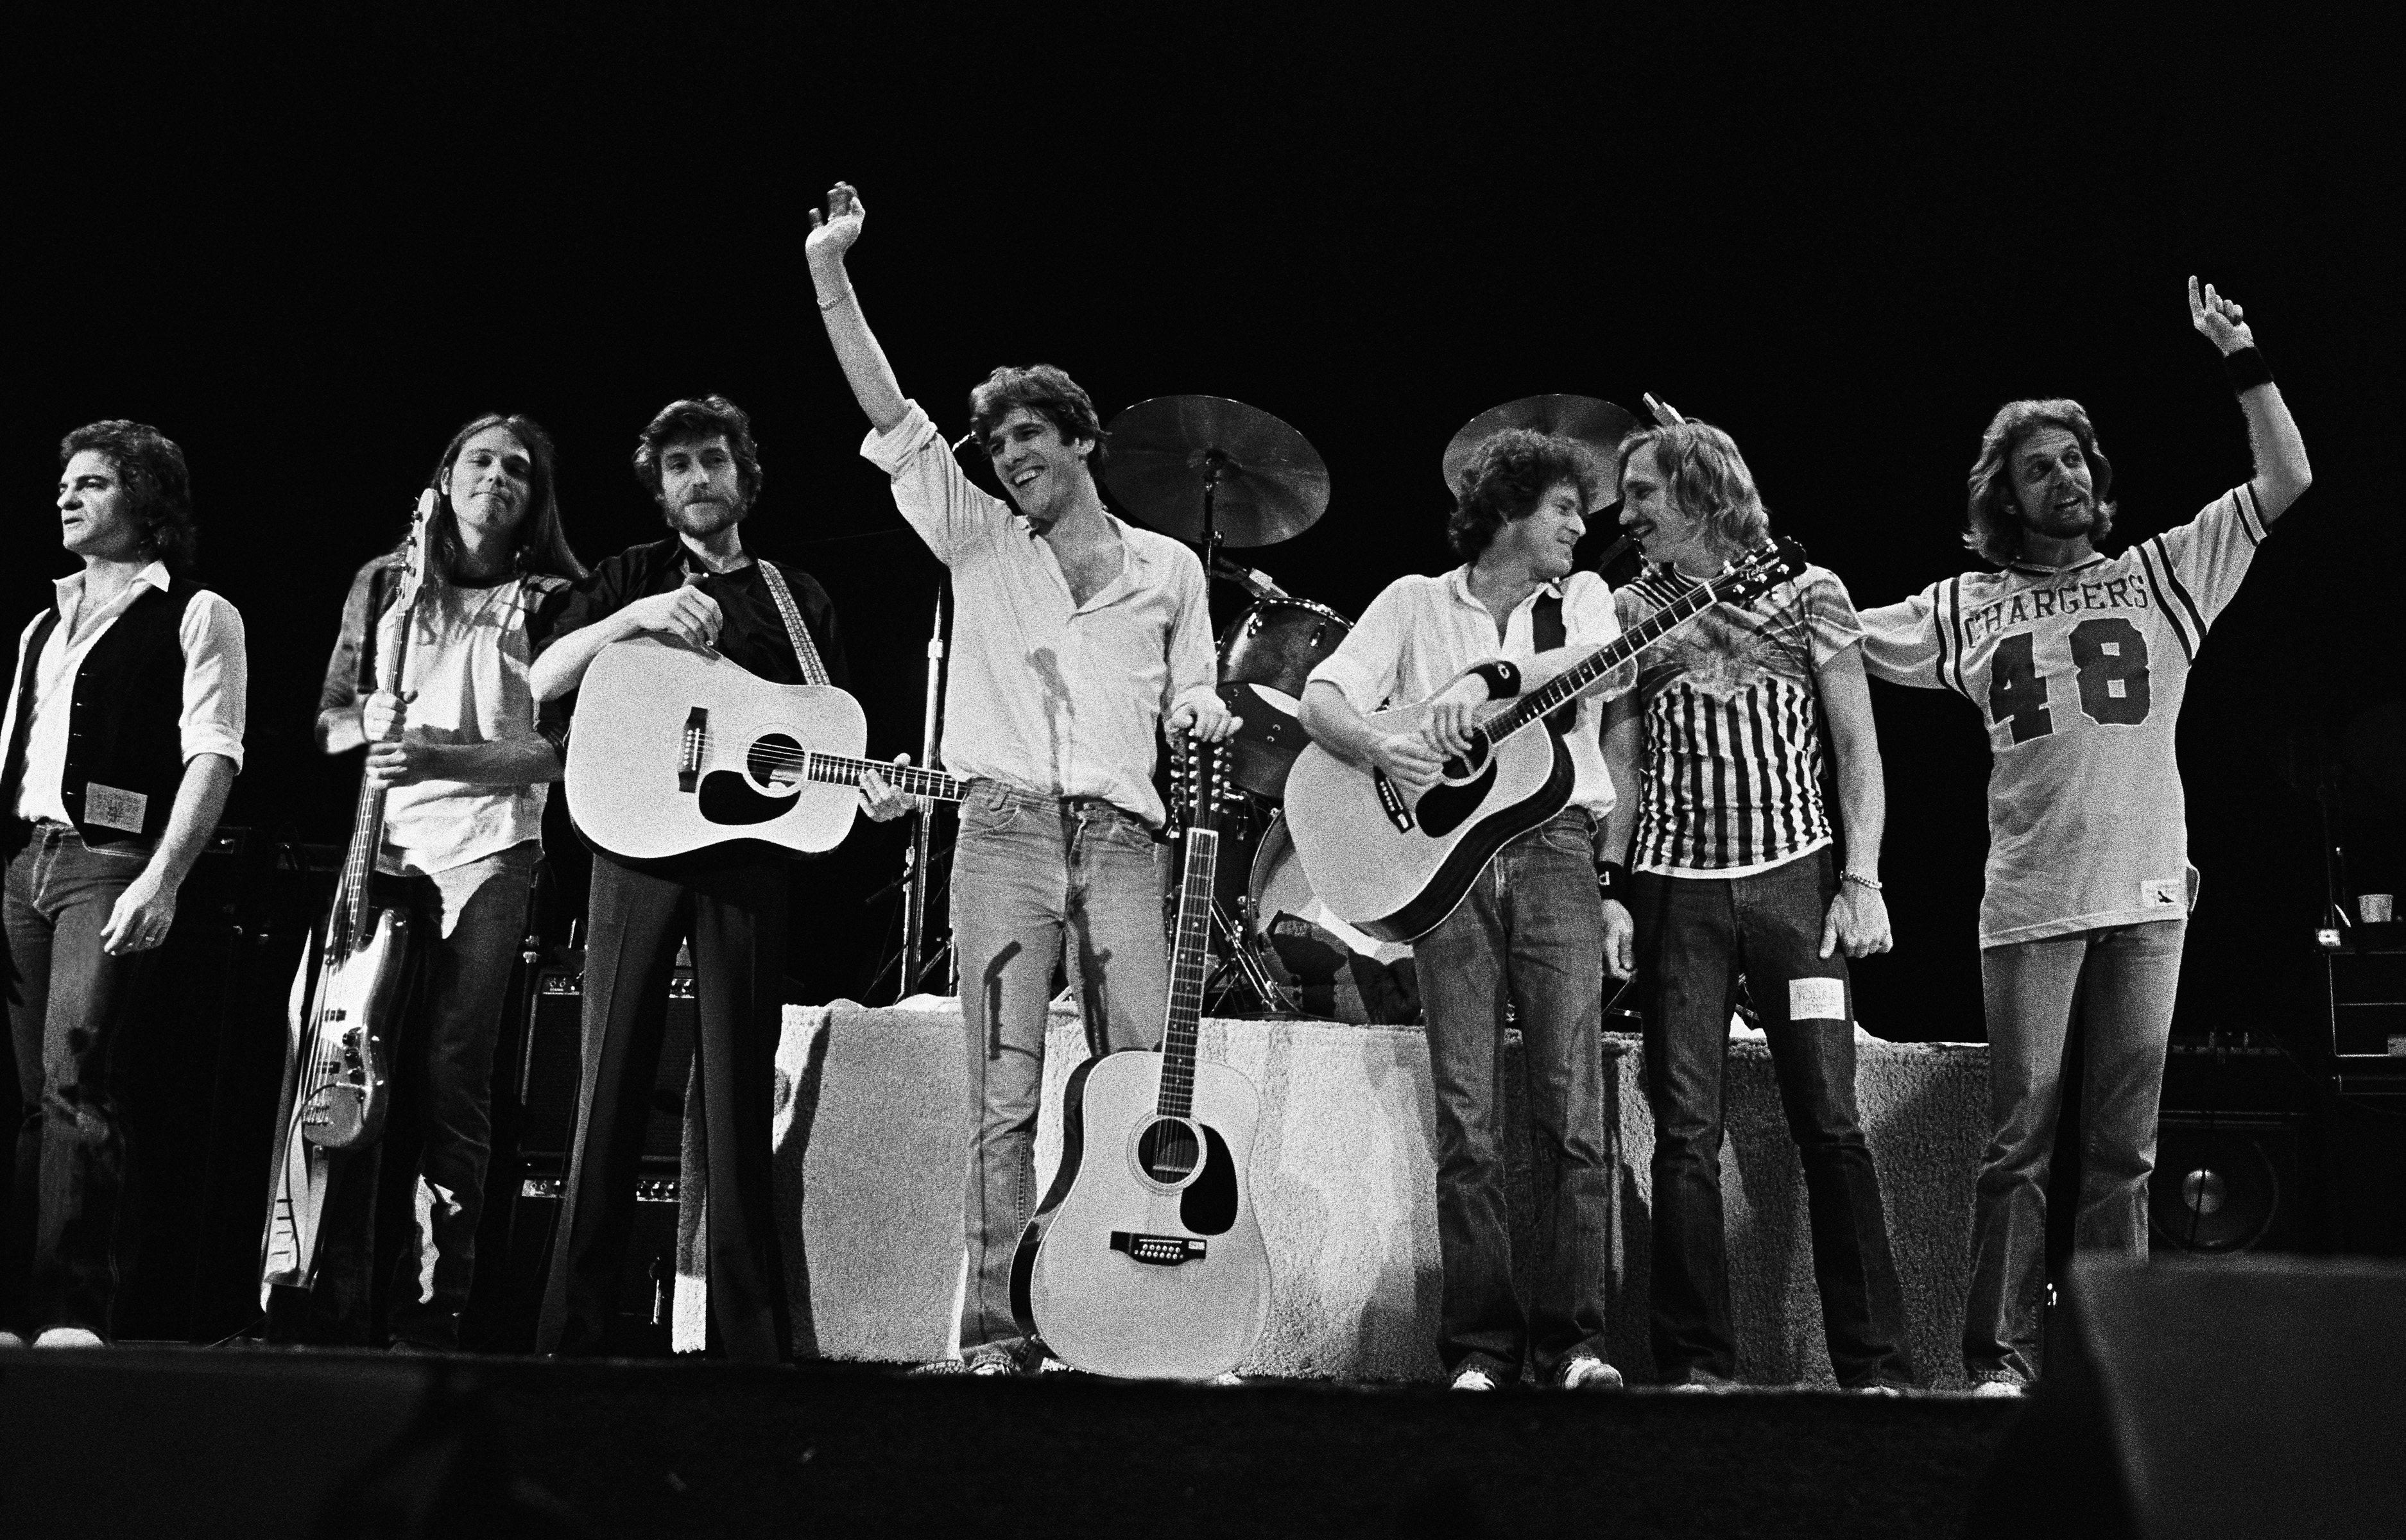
(124, 733)
(701, 588)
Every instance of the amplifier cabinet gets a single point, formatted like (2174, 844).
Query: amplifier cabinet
(647, 1282)
(551, 1058)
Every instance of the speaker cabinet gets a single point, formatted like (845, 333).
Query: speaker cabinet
(551, 1059)
(647, 1282)
(2224, 1184)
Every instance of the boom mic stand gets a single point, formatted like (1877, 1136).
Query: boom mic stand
(914, 903)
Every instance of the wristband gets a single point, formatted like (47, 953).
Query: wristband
(2246, 370)
(1613, 880)
(1503, 679)
(1857, 877)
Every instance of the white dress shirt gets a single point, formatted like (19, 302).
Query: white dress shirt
(1047, 695)
(216, 684)
(1422, 633)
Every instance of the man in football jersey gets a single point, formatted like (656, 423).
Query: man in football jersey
(1734, 868)
(2080, 662)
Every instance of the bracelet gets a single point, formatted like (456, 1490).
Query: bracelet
(2246, 370)
(1857, 877)
(831, 304)
(1613, 880)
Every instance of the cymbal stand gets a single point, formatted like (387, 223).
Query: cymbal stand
(1213, 461)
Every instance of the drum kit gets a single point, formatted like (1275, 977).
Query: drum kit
(1221, 474)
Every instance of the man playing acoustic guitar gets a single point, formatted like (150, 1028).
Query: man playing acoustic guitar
(702, 589)
(1076, 640)
(1531, 929)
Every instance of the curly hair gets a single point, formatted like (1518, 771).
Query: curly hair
(700, 417)
(540, 544)
(1704, 477)
(1510, 473)
(157, 485)
(1992, 518)
(1048, 392)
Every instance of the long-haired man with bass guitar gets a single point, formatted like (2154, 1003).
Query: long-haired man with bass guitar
(2080, 662)
(1077, 640)
(463, 775)
(1723, 740)
(123, 734)
(701, 587)
(1531, 929)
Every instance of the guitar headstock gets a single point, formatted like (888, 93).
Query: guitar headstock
(1199, 784)
(1760, 571)
(412, 570)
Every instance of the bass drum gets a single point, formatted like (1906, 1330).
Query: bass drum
(1278, 887)
(1264, 657)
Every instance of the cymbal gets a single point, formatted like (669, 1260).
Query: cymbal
(1598, 424)
(1272, 484)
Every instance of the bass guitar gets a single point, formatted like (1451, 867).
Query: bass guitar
(674, 750)
(1395, 866)
(1145, 1259)
(341, 1016)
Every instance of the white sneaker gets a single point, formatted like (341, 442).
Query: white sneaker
(1472, 1378)
(68, 1336)
(1587, 1372)
(10, 1339)
(2000, 1389)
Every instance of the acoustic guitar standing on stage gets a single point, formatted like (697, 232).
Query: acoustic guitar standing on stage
(672, 749)
(346, 998)
(1145, 1260)
(1395, 867)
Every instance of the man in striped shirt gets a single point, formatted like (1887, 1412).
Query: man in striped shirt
(1735, 871)
(2080, 662)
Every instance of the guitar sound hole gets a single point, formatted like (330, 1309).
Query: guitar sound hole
(775, 760)
(1168, 1152)
(1462, 766)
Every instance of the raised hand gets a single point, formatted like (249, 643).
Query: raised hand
(832, 235)
(2224, 323)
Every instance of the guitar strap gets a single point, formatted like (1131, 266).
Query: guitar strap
(806, 652)
(1545, 633)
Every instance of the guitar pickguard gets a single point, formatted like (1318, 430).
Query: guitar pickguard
(1208, 1205)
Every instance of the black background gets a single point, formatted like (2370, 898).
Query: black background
(308, 256)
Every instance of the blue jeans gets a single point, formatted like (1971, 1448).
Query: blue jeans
(69, 1005)
(1029, 874)
(1694, 936)
(2122, 981)
(1529, 932)
(465, 926)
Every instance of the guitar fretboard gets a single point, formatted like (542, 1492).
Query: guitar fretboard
(841, 769)
(1574, 681)
(1188, 961)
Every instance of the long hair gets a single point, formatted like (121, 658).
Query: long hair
(700, 418)
(1992, 518)
(1510, 473)
(1050, 394)
(1704, 477)
(158, 485)
(539, 544)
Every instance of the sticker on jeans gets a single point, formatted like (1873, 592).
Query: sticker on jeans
(109, 807)
(2163, 893)
(1816, 999)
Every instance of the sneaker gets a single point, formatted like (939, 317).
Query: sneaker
(1472, 1377)
(1586, 1372)
(2000, 1389)
(68, 1336)
(1874, 1388)
(1699, 1382)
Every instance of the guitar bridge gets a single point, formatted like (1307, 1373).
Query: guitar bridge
(1393, 801)
(1158, 1250)
(696, 727)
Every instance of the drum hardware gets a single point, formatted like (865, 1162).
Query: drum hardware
(1266, 656)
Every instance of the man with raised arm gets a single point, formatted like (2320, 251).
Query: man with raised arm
(2079, 661)
(1076, 640)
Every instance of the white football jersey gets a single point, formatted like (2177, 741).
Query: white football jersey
(2080, 671)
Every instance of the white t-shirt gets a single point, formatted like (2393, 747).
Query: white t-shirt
(2080, 671)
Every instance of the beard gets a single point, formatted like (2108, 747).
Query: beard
(704, 517)
(2062, 523)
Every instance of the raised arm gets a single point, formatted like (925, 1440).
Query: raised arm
(856, 346)
(2281, 472)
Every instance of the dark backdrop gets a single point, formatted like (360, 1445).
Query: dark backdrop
(307, 258)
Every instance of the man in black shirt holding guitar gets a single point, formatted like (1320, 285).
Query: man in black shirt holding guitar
(702, 589)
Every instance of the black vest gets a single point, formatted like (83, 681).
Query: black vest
(124, 723)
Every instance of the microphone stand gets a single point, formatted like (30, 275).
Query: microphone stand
(914, 903)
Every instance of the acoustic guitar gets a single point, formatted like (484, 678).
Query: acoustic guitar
(1396, 866)
(1145, 1259)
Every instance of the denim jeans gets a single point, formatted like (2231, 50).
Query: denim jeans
(2122, 981)
(1529, 932)
(1029, 874)
(1694, 936)
(69, 1008)
(465, 925)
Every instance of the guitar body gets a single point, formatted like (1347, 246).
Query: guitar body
(1123, 1273)
(1400, 884)
(355, 1013)
(673, 751)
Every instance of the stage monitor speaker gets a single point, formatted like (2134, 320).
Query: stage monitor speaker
(551, 1059)
(2224, 1183)
(181, 1442)
(2256, 1397)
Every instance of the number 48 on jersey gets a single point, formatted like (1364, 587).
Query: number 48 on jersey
(2109, 659)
